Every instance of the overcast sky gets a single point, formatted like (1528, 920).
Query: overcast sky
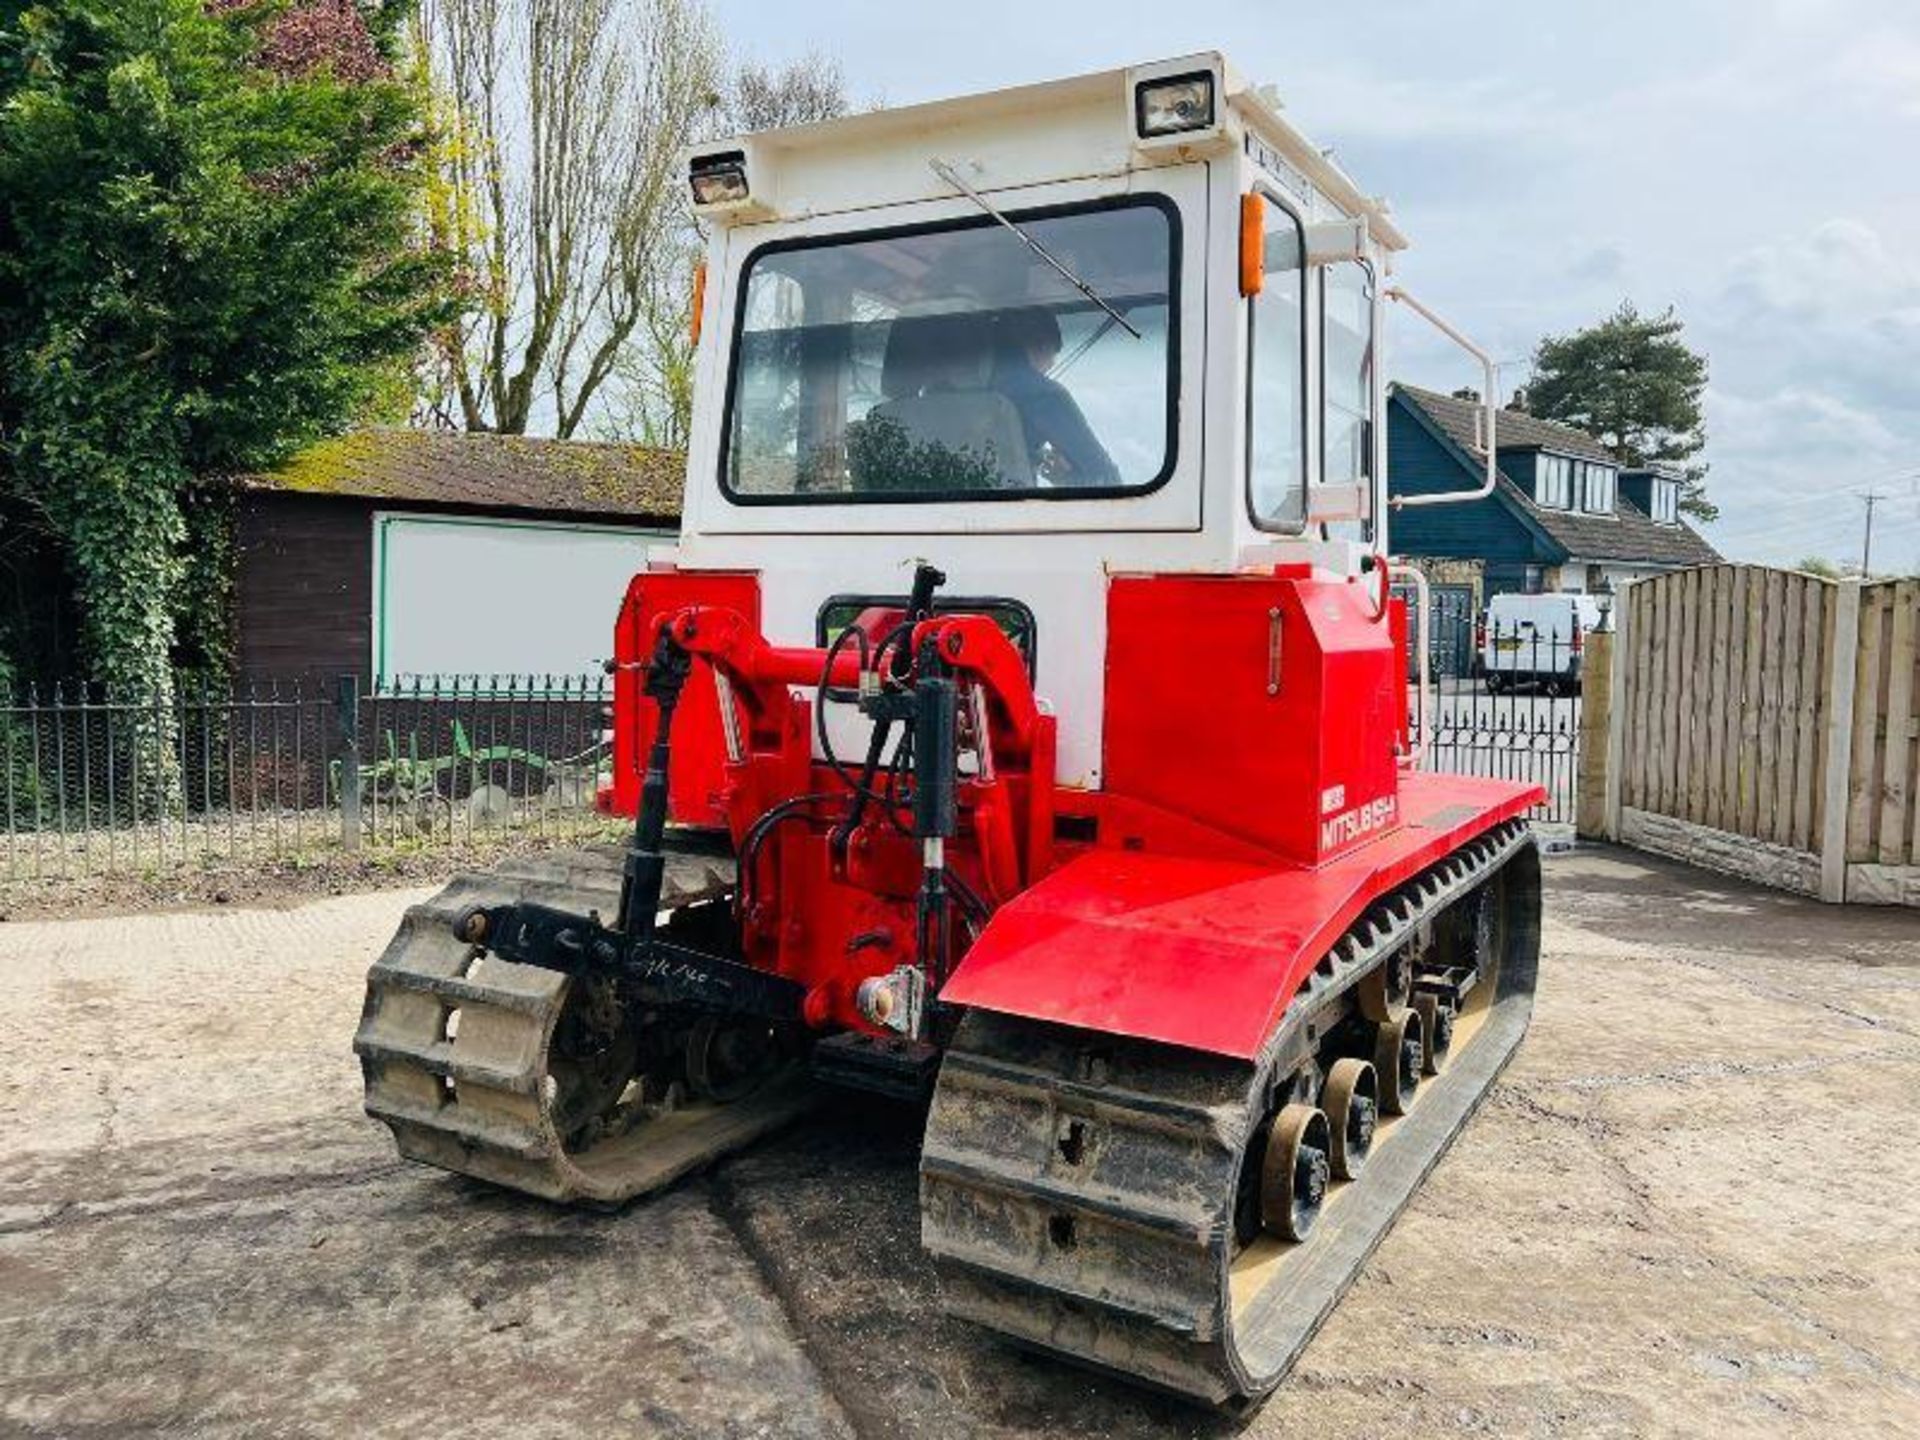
(1753, 163)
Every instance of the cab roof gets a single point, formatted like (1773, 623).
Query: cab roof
(1078, 127)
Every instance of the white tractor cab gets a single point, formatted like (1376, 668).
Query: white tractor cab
(1537, 640)
(1128, 322)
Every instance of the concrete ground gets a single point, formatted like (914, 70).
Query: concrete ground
(1693, 1204)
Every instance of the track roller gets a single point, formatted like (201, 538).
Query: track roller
(728, 1060)
(1383, 990)
(1352, 1103)
(1398, 1049)
(1293, 1176)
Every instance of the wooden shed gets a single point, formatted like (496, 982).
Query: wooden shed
(391, 553)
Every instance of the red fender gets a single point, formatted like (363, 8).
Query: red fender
(1200, 952)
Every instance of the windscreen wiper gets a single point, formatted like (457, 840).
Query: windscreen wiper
(947, 173)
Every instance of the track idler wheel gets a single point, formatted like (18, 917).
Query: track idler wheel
(1293, 1176)
(593, 1054)
(1351, 1100)
(1436, 1029)
(727, 1061)
(1399, 1050)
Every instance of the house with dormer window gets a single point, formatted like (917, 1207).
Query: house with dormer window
(1564, 515)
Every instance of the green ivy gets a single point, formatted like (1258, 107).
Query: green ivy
(205, 263)
(203, 617)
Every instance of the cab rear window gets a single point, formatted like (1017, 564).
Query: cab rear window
(951, 362)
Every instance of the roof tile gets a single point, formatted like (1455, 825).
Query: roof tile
(493, 472)
(1628, 534)
(1514, 431)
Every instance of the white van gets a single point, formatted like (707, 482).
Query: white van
(1536, 640)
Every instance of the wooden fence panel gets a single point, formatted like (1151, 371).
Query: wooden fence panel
(1897, 777)
(1870, 689)
(1673, 682)
(1696, 693)
(1641, 792)
(1780, 737)
(1748, 720)
(1739, 579)
(1726, 704)
(1816, 645)
(1719, 619)
(1767, 716)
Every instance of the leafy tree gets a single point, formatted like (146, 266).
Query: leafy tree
(1819, 565)
(1633, 383)
(208, 257)
(556, 183)
(654, 401)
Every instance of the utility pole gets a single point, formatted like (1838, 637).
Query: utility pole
(1873, 498)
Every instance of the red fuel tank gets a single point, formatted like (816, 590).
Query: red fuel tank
(1264, 706)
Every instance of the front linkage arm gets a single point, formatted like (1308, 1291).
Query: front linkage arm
(652, 970)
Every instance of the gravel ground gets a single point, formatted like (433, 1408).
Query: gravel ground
(50, 888)
(1690, 1205)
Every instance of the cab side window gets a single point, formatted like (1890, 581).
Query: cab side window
(1346, 379)
(1346, 386)
(1277, 380)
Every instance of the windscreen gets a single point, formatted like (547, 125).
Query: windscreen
(957, 362)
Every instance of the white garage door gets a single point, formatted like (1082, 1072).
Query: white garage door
(497, 597)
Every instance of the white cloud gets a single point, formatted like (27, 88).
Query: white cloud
(1842, 269)
(1366, 104)
(1815, 394)
(1883, 68)
(1801, 433)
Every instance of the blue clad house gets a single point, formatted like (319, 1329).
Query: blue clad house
(1563, 517)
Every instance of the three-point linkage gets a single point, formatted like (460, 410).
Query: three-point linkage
(654, 970)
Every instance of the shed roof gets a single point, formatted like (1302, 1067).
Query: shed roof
(488, 472)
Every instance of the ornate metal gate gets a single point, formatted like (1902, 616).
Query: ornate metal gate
(1505, 699)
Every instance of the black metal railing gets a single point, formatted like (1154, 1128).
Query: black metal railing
(98, 780)
(1505, 699)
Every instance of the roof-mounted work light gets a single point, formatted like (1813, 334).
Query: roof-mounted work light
(718, 179)
(1173, 105)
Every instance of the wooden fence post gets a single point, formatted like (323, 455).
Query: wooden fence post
(1839, 741)
(1596, 727)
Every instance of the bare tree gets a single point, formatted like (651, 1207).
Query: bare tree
(561, 122)
(797, 93)
(651, 399)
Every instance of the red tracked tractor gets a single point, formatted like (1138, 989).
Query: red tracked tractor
(1022, 717)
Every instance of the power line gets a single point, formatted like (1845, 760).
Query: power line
(1827, 497)
(1761, 528)
(1883, 523)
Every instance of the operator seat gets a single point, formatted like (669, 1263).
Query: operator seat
(936, 376)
